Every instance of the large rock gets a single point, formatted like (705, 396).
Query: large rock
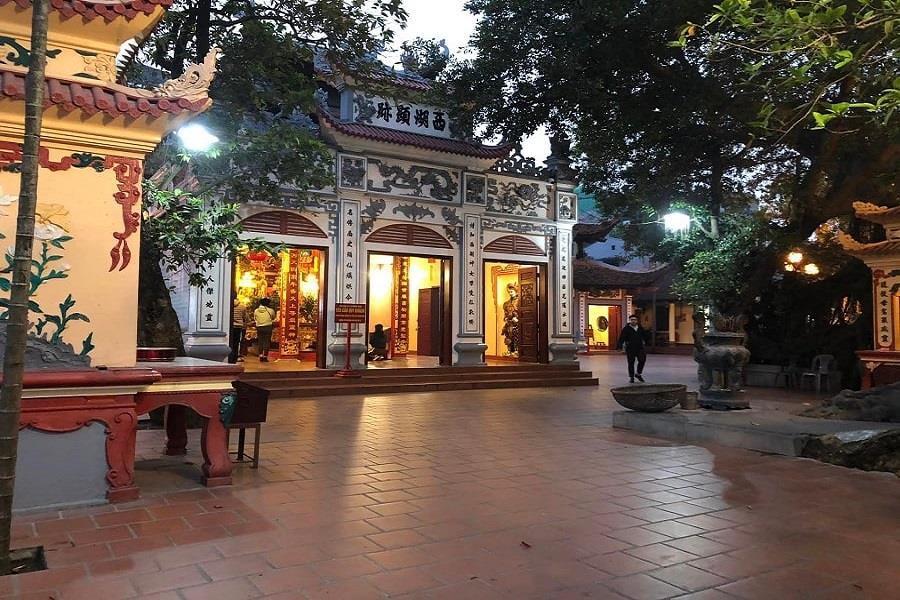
(881, 404)
(867, 450)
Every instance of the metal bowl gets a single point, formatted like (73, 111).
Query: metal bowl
(650, 397)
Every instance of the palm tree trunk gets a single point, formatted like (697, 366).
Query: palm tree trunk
(17, 327)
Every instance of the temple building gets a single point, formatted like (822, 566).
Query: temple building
(606, 295)
(881, 365)
(459, 251)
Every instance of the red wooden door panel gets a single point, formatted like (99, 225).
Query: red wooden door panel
(528, 314)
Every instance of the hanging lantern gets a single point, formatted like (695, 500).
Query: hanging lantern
(258, 256)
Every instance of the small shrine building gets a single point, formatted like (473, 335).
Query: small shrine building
(882, 364)
(461, 252)
(83, 385)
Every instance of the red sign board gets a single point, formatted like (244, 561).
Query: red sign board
(349, 313)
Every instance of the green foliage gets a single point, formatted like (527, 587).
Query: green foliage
(720, 273)
(816, 62)
(266, 83)
(191, 233)
(427, 58)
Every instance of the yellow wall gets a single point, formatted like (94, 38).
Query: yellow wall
(595, 311)
(422, 274)
(79, 203)
(684, 324)
(381, 277)
(494, 297)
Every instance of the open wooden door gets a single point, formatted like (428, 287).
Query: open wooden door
(528, 314)
(615, 326)
(429, 335)
(321, 335)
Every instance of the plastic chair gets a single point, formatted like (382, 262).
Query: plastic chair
(821, 367)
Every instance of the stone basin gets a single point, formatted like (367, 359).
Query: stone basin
(650, 397)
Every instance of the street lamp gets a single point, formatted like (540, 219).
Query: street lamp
(676, 222)
(197, 138)
(795, 263)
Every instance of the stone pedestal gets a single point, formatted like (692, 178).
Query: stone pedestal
(338, 351)
(563, 353)
(469, 354)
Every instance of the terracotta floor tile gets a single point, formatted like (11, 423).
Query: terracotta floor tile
(639, 536)
(149, 583)
(401, 558)
(346, 568)
(403, 581)
(116, 589)
(273, 581)
(688, 578)
(661, 554)
(226, 568)
(233, 589)
(643, 587)
(619, 564)
(444, 487)
(345, 590)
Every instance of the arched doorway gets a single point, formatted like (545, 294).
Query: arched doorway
(294, 282)
(409, 294)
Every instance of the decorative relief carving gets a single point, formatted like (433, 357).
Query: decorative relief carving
(450, 216)
(517, 197)
(20, 56)
(520, 227)
(454, 234)
(476, 188)
(407, 179)
(364, 108)
(371, 212)
(193, 84)
(98, 66)
(413, 212)
(516, 164)
(353, 172)
(566, 206)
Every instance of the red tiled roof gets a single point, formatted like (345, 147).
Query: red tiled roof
(886, 247)
(594, 274)
(92, 9)
(405, 138)
(91, 98)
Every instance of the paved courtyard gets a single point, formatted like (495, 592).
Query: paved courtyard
(473, 495)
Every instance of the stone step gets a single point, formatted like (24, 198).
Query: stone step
(367, 387)
(416, 371)
(331, 380)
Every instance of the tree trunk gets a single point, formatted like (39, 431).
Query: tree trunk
(158, 324)
(202, 32)
(17, 326)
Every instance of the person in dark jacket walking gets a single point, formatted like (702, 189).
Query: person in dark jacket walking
(633, 337)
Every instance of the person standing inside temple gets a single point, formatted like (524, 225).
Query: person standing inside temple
(240, 318)
(264, 316)
(633, 338)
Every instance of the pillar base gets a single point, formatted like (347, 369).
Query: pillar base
(338, 350)
(563, 353)
(470, 354)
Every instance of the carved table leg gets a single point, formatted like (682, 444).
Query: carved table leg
(120, 441)
(216, 462)
(176, 430)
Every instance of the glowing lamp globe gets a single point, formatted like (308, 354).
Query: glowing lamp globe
(795, 257)
(196, 138)
(676, 222)
(811, 269)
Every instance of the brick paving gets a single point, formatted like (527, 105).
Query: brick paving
(467, 496)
